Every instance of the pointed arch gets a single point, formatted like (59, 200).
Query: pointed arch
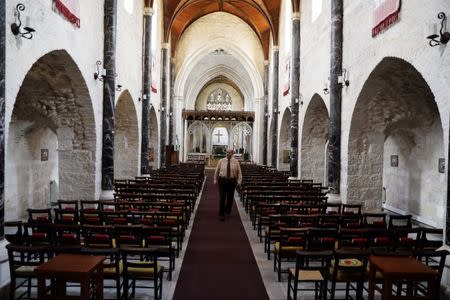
(314, 140)
(396, 116)
(52, 138)
(126, 138)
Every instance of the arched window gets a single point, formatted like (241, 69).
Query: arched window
(219, 100)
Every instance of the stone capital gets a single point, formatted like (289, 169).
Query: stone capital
(165, 46)
(275, 48)
(295, 16)
(148, 11)
(266, 62)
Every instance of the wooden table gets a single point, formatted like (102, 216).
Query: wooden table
(397, 269)
(71, 268)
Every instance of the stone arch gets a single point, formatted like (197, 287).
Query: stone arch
(242, 137)
(126, 138)
(153, 140)
(52, 139)
(198, 138)
(314, 140)
(396, 114)
(284, 145)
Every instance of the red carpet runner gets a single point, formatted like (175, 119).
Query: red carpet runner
(218, 263)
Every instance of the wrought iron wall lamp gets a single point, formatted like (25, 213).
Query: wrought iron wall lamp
(97, 74)
(15, 27)
(444, 35)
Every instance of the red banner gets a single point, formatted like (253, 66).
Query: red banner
(385, 14)
(70, 9)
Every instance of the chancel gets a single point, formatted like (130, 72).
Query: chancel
(115, 114)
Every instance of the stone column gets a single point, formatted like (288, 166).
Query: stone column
(334, 146)
(266, 111)
(274, 133)
(2, 118)
(146, 88)
(447, 221)
(164, 94)
(171, 101)
(295, 92)
(109, 94)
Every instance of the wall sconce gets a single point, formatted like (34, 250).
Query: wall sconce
(118, 87)
(162, 109)
(343, 79)
(15, 27)
(97, 74)
(444, 35)
(326, 89)
(169, 114)
(267, 115)
(275, 111)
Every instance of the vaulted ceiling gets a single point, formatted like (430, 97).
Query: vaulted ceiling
(261, 15)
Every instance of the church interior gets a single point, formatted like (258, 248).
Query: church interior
(114, 115)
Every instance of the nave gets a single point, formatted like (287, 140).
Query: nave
(254, 254)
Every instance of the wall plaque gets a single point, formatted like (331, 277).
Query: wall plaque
(394, 160)
(441, 165)
(44, 154)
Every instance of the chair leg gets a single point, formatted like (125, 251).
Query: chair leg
(333, 289)
(279, 268)
(125, 288)
(324, 289)
(118, 287)
(12, 289)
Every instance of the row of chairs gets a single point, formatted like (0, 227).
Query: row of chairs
(317, 239)
(350, 267)
(124, 266)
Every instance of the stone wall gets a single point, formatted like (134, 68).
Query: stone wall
(126, 139)
(314, 141)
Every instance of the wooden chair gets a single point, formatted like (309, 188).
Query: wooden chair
(160, 239)
(374, 220)
(430, 238)
(291, 240)
(141, 264)
(98, 236)
(310, 266)
(22, 262)
(14, 232)
(67, 234)
(435, 260)
(349, 267)
(322, 239)
(351, 209)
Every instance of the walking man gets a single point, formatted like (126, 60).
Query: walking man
(228, 174)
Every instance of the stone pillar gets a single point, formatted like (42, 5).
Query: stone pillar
(163, 108)
(447, 221)
(334, 146)
(295, 92)
(171, 101)
(275, 111)
(109, 94)
(266, 111)
(146, 88)
(2, 118)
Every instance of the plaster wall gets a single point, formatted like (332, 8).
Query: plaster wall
(53, 31)
(362, 53)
